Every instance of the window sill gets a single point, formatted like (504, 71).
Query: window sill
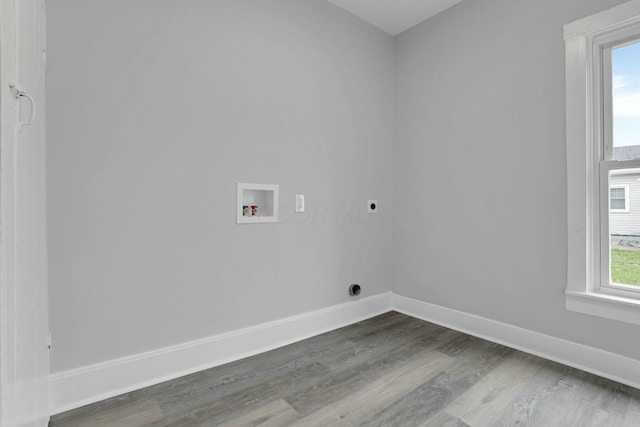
(622, 309)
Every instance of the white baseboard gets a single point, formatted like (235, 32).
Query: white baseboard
(78, 387)
(599, 362)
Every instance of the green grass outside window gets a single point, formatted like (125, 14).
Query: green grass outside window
(625, 266)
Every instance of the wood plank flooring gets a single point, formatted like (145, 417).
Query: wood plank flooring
(391, 370)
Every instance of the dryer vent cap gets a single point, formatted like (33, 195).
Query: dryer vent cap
(354, 290)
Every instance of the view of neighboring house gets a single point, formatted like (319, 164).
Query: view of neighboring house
(624, 193)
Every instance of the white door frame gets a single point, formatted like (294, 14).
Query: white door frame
(7, 270)
(24, 354)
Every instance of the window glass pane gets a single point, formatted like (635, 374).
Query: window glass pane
(617, 204)
(617, 193)
(624, 227)
(625, 62)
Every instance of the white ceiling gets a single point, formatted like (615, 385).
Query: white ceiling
(394, 16)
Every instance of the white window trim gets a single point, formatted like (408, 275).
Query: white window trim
(584, 40)
(625, 187)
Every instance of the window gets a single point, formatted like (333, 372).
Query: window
(603, 162)
(618, 199)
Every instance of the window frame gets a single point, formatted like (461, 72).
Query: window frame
(588, 43)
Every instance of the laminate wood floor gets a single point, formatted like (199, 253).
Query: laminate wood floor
(391, 370)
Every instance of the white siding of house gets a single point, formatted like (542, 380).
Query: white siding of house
(627, 223)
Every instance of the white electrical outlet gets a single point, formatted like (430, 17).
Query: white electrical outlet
(372, 206)
(299, 202)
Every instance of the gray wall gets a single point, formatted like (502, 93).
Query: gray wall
(480, 176)
(156, 108)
